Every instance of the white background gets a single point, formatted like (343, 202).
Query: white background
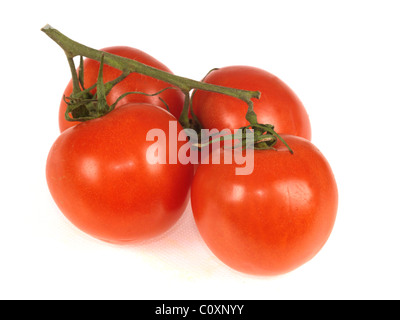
(342, 58)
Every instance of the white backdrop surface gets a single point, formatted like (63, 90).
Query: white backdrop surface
(340, 57)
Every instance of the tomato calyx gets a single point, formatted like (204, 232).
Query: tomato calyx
(256, 136)
(84, 105)
(265, 137)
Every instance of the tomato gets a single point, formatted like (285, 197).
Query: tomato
(273, 220)
(278, 104)
(134, 82)
(102, 180)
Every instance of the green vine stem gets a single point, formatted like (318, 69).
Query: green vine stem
(73, 49)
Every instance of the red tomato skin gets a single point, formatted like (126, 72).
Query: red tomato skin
(134, 82)
(278, 104)
(271, 221)
(99, 177)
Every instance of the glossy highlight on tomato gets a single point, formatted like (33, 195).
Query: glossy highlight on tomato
(273, 220)
(278, 104)
(101, 179)
(133, 82)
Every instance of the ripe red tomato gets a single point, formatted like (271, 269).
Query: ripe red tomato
(134, 82)
(101, 179)
(273, 220)
(278, 104)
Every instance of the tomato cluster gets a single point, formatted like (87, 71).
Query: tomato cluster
(106, 182)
